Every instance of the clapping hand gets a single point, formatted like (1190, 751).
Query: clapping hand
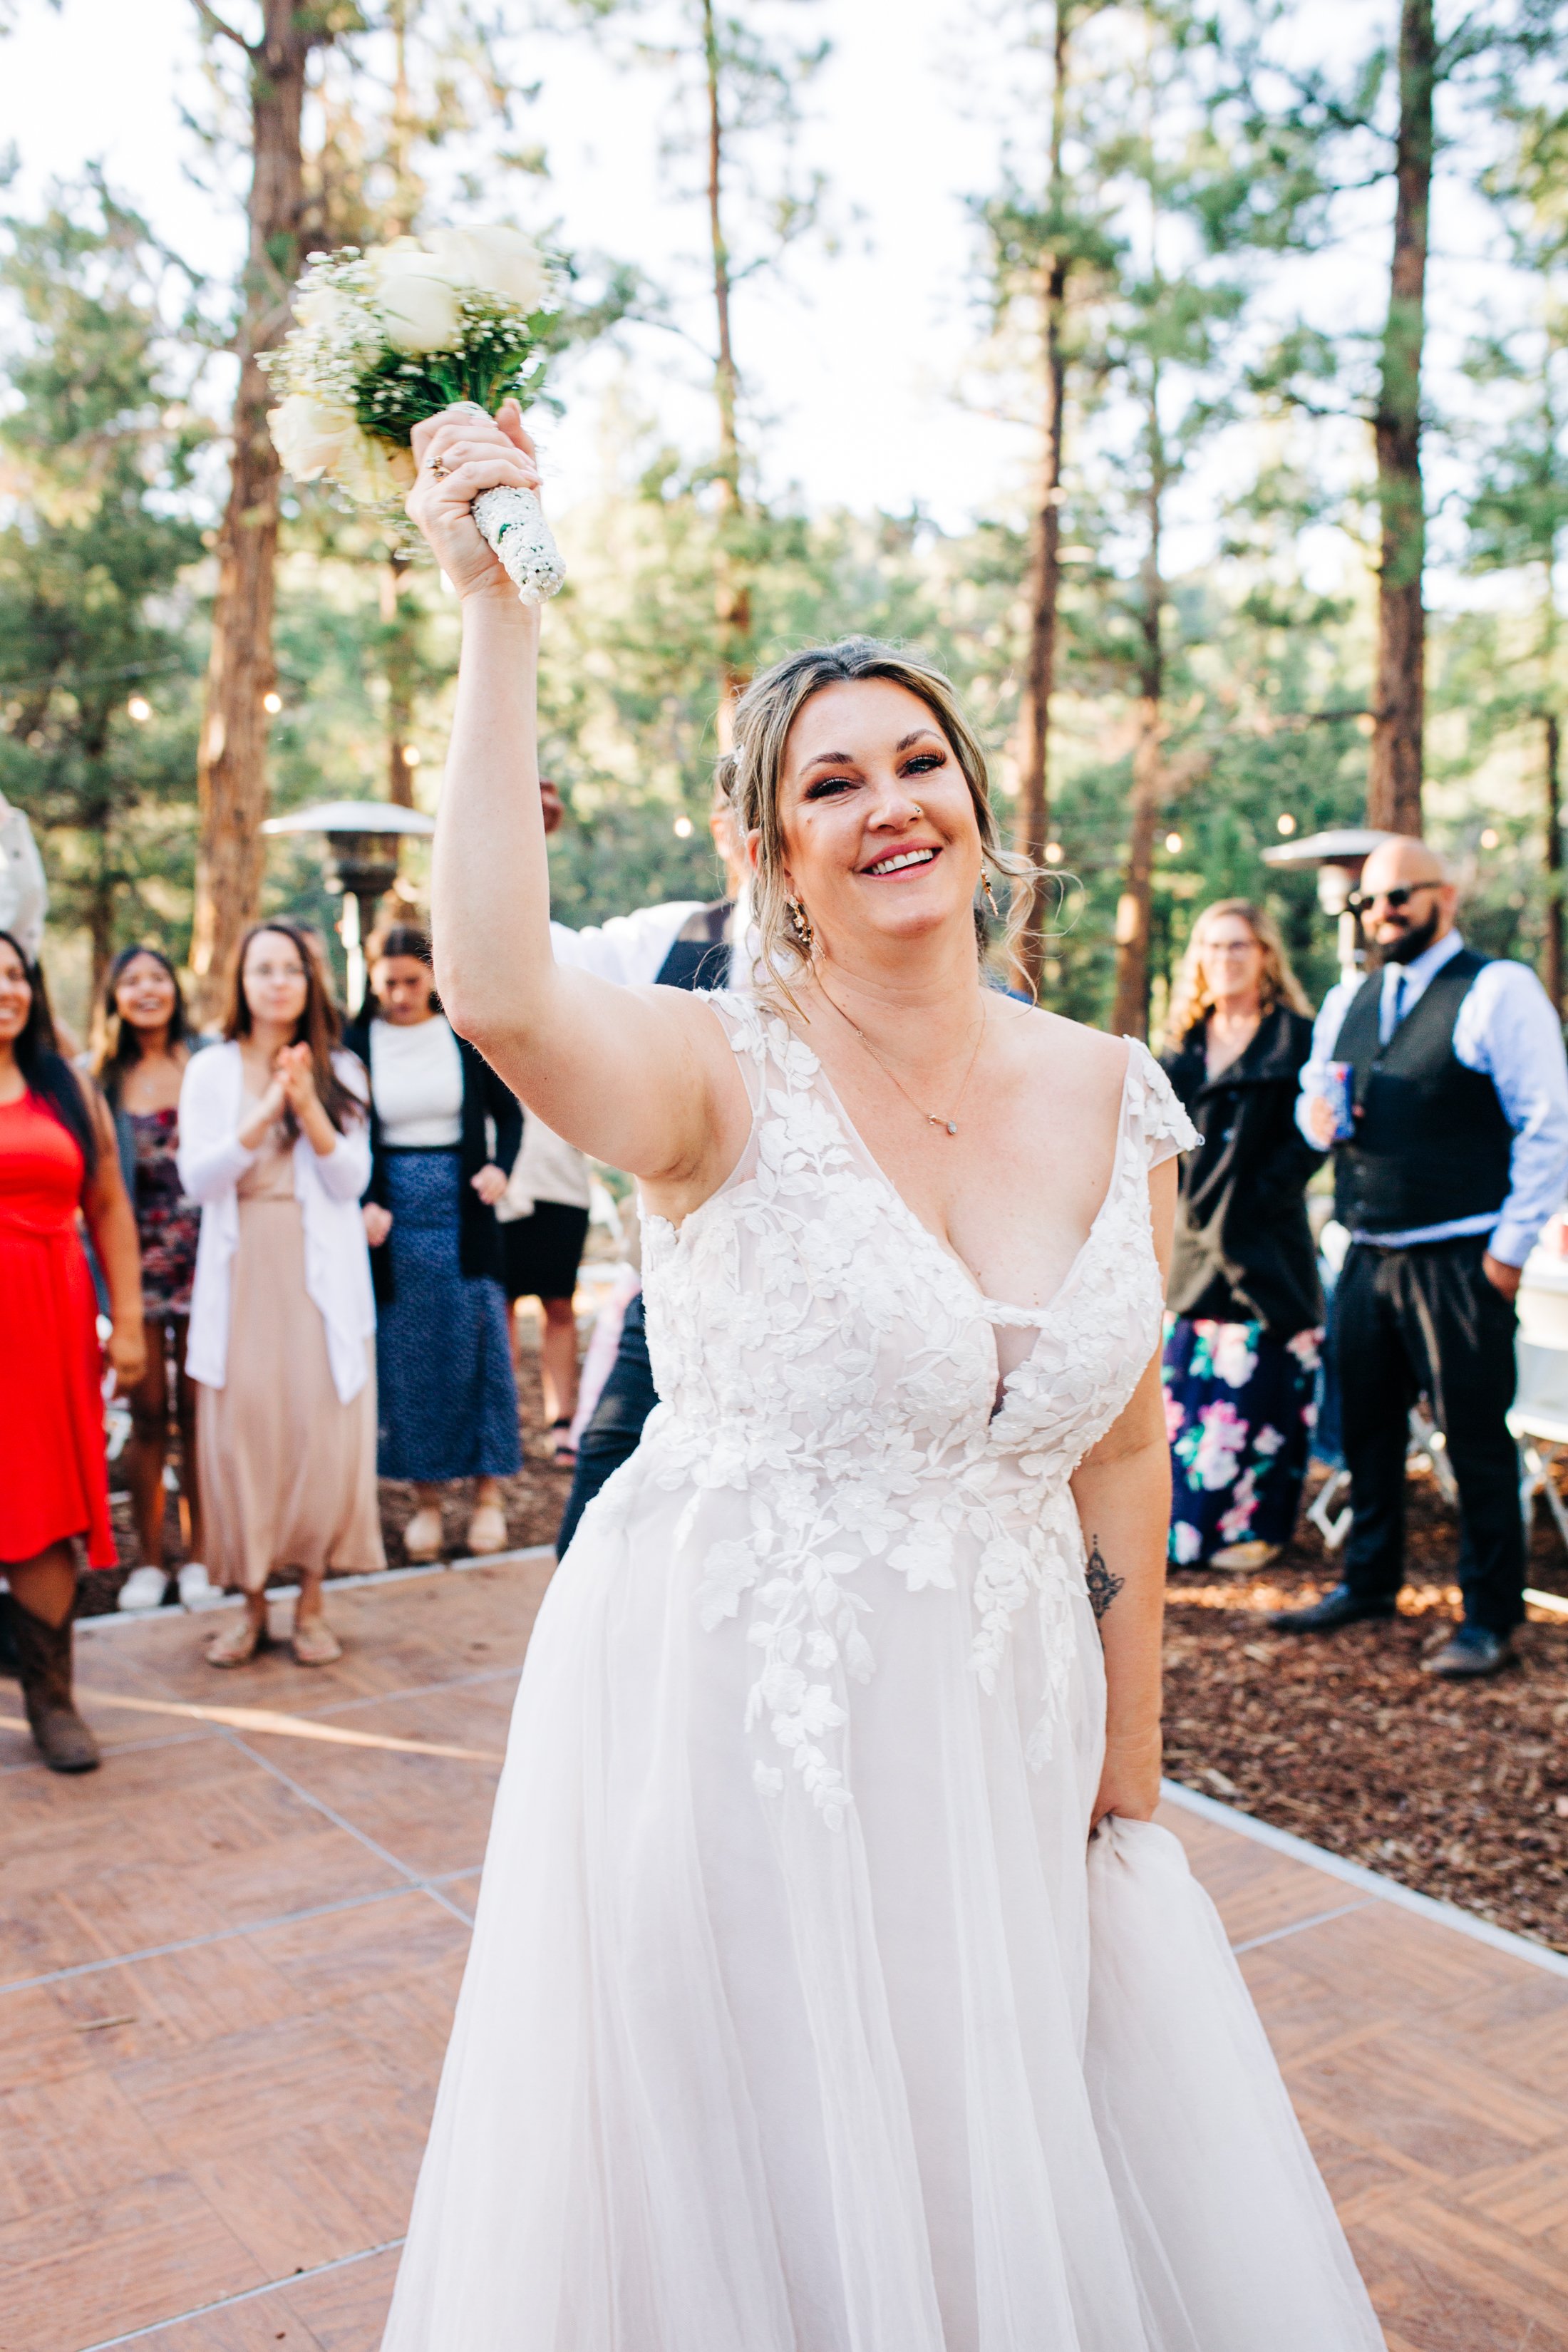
(294, 1072)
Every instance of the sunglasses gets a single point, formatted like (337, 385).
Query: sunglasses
(1360, 901)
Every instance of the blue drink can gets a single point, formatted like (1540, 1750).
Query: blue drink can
(1338, 1079)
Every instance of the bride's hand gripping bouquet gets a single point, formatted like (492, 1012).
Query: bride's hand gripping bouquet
(388, 340)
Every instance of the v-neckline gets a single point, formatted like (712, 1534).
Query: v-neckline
(1011, 1317)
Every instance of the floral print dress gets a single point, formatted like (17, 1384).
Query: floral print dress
(1239, 1410)
(167, 1225)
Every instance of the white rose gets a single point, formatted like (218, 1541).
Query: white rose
(493, 261)
(373, 471)
(415, 298)
(327, 311)
(310, 437)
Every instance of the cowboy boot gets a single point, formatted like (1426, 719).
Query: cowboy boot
(44, 1670)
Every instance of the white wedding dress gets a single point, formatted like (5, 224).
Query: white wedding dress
(801, 2014)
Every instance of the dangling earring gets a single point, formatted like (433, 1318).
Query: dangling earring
(800, 923)
(990, 895)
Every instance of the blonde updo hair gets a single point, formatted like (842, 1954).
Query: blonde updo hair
(751, 773)
(1277, 984)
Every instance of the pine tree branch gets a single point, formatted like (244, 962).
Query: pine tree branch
(214, 24)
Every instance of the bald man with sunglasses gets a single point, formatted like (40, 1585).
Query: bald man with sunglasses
(1458, 1155)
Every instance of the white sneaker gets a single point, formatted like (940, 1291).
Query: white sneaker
(143, 1588)
(198, 1590)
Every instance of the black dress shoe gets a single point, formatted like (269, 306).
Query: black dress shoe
(1471, 1651)
(1339, 1607)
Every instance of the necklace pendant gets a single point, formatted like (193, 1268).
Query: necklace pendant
(953, 1127)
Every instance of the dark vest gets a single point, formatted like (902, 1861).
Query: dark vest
(700, 953)
(1431, 1142)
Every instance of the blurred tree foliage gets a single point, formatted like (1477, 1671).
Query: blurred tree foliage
(99, 638)
(1173, 184)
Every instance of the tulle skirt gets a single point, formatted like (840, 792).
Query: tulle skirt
(950, 2077)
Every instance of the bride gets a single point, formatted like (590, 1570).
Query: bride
(831, 1989)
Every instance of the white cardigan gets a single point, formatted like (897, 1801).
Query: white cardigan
(337, 1262)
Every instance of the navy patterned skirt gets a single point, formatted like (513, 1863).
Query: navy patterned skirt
(443, 1349)
(1238, 1412)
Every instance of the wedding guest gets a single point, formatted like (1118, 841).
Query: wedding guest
(57, 1156)
(1241, 1353)
(543, 1217)
(1457, 1155)
(443, 1132)
(275, 1145)
(147, 1046)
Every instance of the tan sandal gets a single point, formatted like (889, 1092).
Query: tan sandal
(314, 1644)
(239, 1644)
(487, 1529)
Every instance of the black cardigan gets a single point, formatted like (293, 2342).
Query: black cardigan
(488, 1105)
(1244, 1250)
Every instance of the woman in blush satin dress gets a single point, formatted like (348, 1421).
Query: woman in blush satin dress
(832, 1988)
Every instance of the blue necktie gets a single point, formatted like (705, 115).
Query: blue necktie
(1396, 1013)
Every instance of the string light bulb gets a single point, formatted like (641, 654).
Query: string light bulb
(272, 702)
(1053, 852)
(1173, 843)
(139, 709)
(1489, 838)
(1286, 824)
(412, 755)
(683, 828)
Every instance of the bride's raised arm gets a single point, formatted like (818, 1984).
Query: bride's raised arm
(640, 1077)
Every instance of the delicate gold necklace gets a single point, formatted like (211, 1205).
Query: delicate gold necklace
(931, 1118)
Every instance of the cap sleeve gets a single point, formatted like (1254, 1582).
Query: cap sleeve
(1154, 1110)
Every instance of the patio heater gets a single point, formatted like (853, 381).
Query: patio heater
(1338, 857)
(363, 839)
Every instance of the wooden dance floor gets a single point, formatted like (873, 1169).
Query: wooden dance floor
(227, 1964)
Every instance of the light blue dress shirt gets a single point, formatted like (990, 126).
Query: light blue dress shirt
(1507, 1030)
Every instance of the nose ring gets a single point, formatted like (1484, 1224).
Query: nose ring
(917, 808)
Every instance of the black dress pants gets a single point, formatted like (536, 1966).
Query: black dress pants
(611, 1434)
(1426, 1321)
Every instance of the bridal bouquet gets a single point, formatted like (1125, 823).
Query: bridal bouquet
(390, 336)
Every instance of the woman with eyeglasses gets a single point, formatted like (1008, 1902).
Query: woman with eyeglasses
(56, 1160)
(275, 1144)
(1241, 1353)
(141, 1070)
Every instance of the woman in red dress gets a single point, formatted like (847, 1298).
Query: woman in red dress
(56, 1155)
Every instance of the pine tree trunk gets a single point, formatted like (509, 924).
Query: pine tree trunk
(231, 770)
(1130, 1014)
(1393, 784)
(1553, 974)
(732, 596)
(1031, 824)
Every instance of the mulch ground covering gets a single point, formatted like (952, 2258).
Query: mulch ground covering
(1458, 1790)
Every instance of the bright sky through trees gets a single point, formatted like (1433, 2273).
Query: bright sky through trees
(853, 364)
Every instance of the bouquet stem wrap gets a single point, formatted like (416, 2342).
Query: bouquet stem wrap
(511, 521)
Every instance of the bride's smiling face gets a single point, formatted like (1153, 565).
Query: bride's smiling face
(878, 827)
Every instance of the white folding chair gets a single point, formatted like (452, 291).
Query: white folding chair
(1539, 1419)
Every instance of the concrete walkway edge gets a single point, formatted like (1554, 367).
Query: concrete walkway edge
(1372, 1882)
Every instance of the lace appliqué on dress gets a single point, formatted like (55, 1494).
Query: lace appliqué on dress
(821, 1355)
